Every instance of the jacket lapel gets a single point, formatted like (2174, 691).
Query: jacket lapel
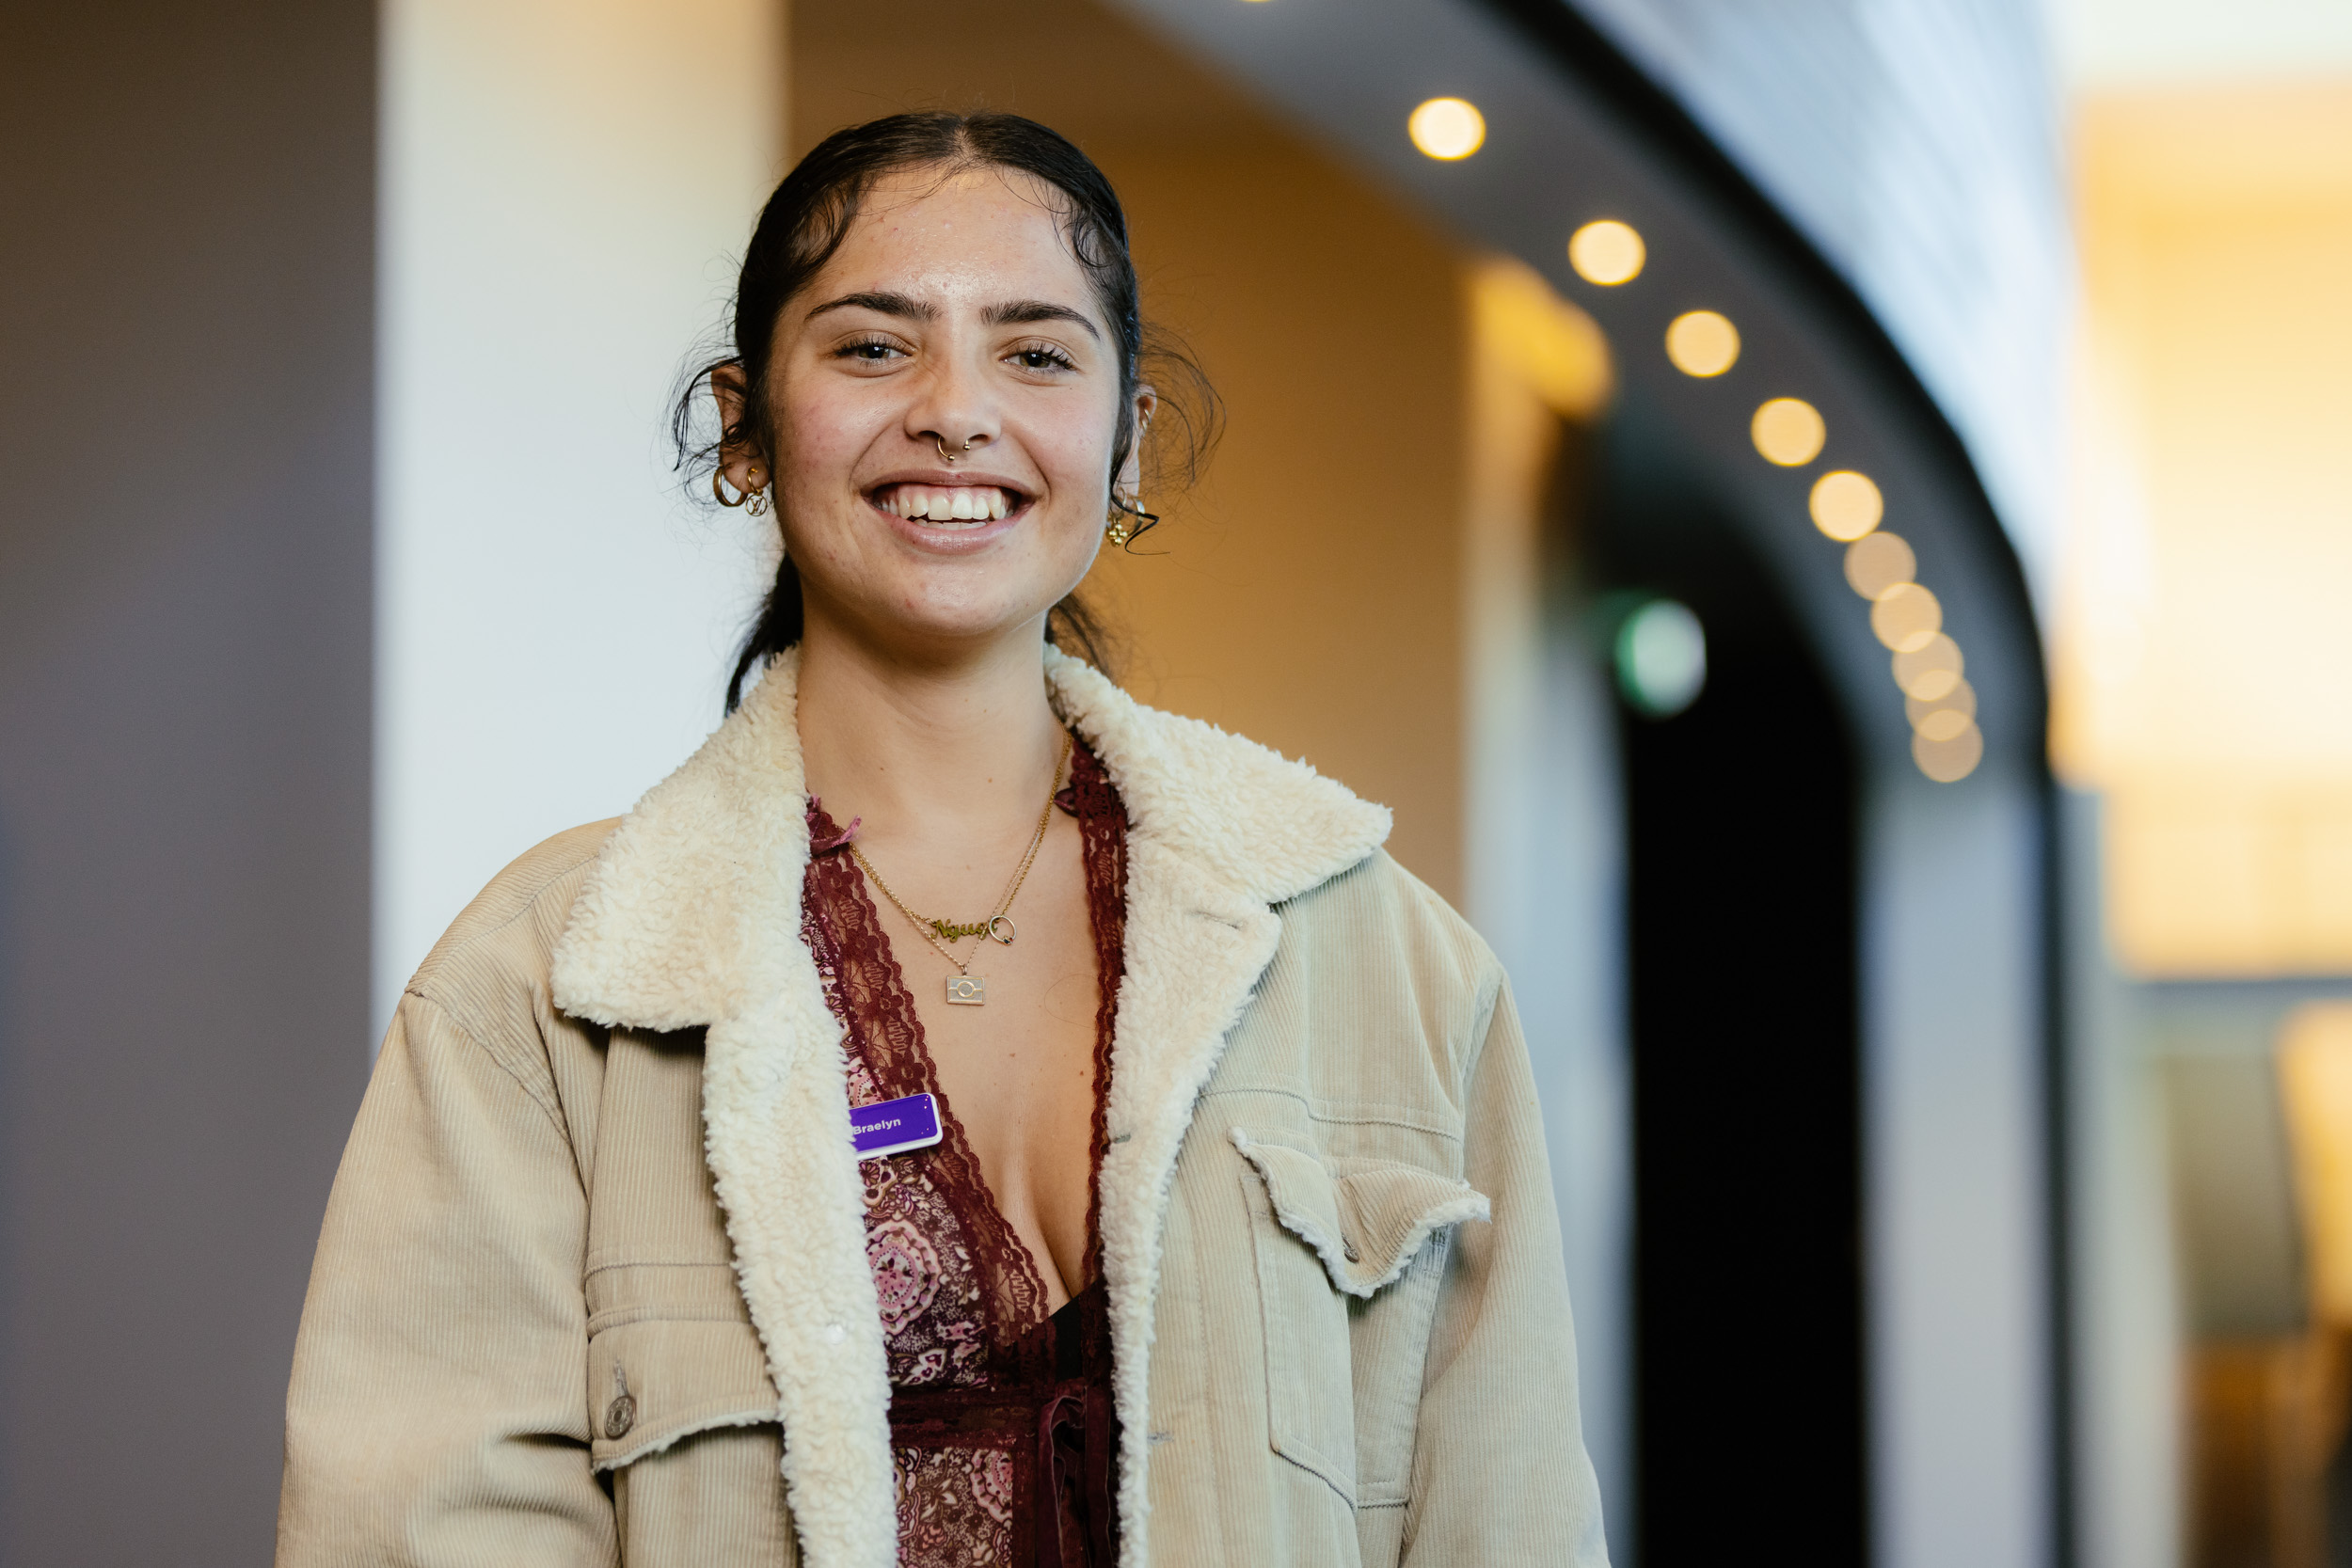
(691, 918)
(1220, 831)
(1194, 952)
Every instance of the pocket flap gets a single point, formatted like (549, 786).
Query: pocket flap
(657, 1380)
(1368, 1225)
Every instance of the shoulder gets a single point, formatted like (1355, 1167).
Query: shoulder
(1376, 916)
(496, 956)
(1377, 1007)
(1266, 825)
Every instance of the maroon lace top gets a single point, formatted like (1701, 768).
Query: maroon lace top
(1003, 1437)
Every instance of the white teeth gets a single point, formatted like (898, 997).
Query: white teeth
(940, 504)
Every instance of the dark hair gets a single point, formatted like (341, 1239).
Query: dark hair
(804, 223)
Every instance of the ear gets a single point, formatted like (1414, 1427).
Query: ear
(743, 457)
(1131, 472)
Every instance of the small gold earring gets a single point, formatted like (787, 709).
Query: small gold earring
(1121, 526)
(719, 492)
(760, 504)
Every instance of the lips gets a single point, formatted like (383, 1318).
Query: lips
(948, 505)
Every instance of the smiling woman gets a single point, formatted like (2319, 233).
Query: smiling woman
(1186, 1195)
(1061, 226)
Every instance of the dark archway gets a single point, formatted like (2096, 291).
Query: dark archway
(1740, 874)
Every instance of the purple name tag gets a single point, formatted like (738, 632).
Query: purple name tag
(893, 1126)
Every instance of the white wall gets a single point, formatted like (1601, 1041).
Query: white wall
(567, 189)
(1543, 826)
(1545, 832)
(2140, 43)
(1960, 1366)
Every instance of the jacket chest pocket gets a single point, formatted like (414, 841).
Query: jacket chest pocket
(1349, 1266)
(671, 1353)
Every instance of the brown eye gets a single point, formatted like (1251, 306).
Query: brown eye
(868, 350)
(1041, 358)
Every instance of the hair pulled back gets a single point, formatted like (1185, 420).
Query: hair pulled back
(804, 223)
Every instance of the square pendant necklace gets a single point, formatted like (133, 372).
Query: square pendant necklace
(965, 989)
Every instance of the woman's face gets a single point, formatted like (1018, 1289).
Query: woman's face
(952, 312)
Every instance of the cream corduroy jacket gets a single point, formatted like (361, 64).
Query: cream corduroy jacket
(593, 1285)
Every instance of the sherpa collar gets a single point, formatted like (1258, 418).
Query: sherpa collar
(707, 869)
(691, 917)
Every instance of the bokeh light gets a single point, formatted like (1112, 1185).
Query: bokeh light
(1878, 561)
(1948, 761)
(1447, 128)
(1788, 431)
(1930, 672)
(1607, 251)
(1703, 343)
(1961, 699)
(1944, 724)
(1661, 657)
(1847, 505)
(1905, 616)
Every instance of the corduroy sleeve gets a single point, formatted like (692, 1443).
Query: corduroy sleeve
(1500, 1473)
(438, 1416)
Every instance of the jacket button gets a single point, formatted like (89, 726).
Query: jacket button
(1348, 1248)
(620, 1416)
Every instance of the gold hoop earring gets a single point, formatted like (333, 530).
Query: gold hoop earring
(941, 441)
(719, 492)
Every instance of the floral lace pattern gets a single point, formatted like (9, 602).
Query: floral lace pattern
(954, 1278)
(955, 1504)
(1001, 1425)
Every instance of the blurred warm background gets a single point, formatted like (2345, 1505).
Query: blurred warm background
(2202, 645)
(1830, 524)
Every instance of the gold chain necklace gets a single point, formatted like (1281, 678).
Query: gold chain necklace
(965, 989)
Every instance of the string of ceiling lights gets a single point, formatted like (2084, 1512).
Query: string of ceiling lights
(1846, 505)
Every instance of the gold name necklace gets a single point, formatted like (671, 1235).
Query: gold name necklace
(965, 989)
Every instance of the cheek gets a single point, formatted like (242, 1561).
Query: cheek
(822, 431)
(1075, 454)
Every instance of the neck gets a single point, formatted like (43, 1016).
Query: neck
(917, 747)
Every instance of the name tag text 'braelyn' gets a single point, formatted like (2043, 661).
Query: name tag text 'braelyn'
(893, 1126)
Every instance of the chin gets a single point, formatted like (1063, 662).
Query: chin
(959, 623)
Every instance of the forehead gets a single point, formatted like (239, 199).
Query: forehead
(976, 236)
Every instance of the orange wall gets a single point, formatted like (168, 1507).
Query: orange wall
(1308, 593)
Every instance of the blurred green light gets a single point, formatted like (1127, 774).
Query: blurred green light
(1661, 657)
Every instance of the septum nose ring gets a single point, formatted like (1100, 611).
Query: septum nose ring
(943, 452)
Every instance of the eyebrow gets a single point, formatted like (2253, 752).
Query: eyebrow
(902, 306)
(1016, 313)
(1012, 312)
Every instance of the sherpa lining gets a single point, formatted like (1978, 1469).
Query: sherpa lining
(691, 917)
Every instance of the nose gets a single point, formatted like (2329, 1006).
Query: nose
(953, 415)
